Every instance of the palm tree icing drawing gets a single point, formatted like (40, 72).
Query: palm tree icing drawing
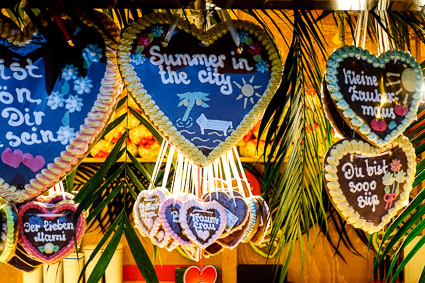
(189, 99)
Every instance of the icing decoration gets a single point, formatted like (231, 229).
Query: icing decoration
(161, 238)
(199, 92)
(367, 185)
(8, 230)
(377, 96)
(194, 274)
(235, 207)
(169, 213)
(47, 231)
(233, 239)
(55, 99)
(202, 222)
(253, 220)
(331, 112)
(146, 210)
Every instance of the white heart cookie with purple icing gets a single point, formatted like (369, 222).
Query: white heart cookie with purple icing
(169, 213)
(146, 211)
(202, 222)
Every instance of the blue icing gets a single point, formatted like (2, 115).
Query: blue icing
(37, 125)
(207, 104)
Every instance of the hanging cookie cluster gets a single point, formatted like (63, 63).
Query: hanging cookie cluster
(370, 100)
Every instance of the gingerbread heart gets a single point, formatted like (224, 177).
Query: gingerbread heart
(368, 185)
(161, 238)
(202, 222)
(236, 208)
(47, 232)
(194, 274)
(169, 213)
(55, 99)
(201, 91)
(8, 230)
(377, 96)
(146, 210)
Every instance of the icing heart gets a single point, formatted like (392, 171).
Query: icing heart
(33, 163)
(169, 213)
(371, 92)
(236, 208)
(13, 159)
(8, 230)
(47, 232)
(194, 274)
(367, 185)
(202, 222)
(55, 99)
(146, 210)
(199, 91)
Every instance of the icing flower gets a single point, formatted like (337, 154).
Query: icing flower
(69, 72)
(395, 165)
(143, 40)
(48, 248)
(83, 85)
(157, 30)
(388, 179)
(138, 58)
(65, 134)
(91, 54)
(262, 66)
(400, 176)
(55, 100)
(73, 103)
(243, 35)
(254, 49)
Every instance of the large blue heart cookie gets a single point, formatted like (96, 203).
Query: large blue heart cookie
(377, 96)
(55, 99)
(198, 90)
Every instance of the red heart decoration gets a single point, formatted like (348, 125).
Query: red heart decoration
(195, 275)
(47, 232)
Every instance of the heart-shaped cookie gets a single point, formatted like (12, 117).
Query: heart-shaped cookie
(202, 222)
(340, 126)
(146, 210)
(22, 261)
(169, 213)
(47, 232)
(161, 238)
(200, 91)
(368, 185)
(54, 198)
(194, 274)
(264, 220)
(55, 99)
(8, 230)
(377, 96)
(236, 208)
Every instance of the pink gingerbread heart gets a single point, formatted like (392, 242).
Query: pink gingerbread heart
(33, 163)
(12, 159)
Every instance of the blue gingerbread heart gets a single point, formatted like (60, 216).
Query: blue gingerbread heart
(55, 98)
(200, 91)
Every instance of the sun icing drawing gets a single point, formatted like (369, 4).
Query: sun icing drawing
(248, 90)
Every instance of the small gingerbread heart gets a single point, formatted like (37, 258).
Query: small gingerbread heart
(169, 213)
(146, 210)
(47, 232)
(202, 222)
